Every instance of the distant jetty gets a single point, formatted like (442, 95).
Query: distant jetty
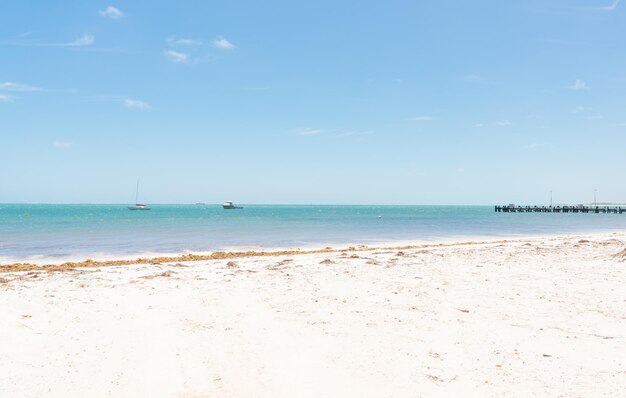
(560, 209)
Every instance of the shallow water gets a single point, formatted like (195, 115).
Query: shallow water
(39, 231)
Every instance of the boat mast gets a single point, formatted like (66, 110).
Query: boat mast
(137, 192)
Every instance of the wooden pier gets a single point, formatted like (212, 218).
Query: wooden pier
(561, 209)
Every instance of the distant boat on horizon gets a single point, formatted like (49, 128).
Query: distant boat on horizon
(228, 205)
(138, 206)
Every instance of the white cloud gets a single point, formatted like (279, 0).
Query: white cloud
(622, 124)
(62, 144)
(579, 85)
(421, 118)
(223, 44)
(111, 12)
(478, 125)
(5, 98)
(176, 56)
(135, 104)
(580, 109)
(11, 86)
(534, 145)
(173, 40)
(502, 123)
(308, 131)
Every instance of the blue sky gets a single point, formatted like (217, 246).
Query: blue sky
(396, 102)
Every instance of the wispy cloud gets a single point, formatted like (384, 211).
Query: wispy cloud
(135, 104)
(111, 12)
(194, 49)
(421, 118)
(173, 40)
(334, 133)
(308, 131)
(609, 7)
(62, 144)
(222, 43)
(176, 56)
(352, 133)
(82, 41)
(108, 50)
(11, 86)
(581, 109)
(621, 124)
(498, 123)
(533, 145)
(612, 7)
(595, 117)
(579, 85)
(6, 98)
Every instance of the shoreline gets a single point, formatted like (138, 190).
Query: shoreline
(246, 251)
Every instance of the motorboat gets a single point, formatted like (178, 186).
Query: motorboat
(230, 205)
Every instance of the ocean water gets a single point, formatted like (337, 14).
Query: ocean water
(52, 233)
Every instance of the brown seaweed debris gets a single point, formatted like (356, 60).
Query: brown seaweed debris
(165, 274)
(20, 267)
(232, 264)
(621, 256)
(327, 261)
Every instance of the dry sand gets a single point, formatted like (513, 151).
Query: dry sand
(541, 317)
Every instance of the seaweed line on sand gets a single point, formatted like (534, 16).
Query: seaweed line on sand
(18, 267)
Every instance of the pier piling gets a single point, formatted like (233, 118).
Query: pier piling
(560, 209)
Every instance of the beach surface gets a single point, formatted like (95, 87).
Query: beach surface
(510, 318)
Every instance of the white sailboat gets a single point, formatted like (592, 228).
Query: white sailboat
(138, 206)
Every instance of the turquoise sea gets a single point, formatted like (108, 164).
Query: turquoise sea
(57, 232)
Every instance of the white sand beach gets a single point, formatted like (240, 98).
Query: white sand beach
(539, 317)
